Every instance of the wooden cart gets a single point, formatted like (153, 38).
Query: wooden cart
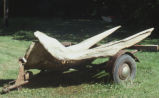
(48, 53)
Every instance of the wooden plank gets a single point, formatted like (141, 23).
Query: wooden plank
(151, 48)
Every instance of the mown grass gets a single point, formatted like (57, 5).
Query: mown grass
(88, 82)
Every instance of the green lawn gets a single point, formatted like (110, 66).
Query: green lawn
(84, 83)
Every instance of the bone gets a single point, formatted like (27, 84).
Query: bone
(112, 48)
(86, 44)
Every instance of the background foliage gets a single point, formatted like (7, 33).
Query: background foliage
(141, 13)
(127, 9)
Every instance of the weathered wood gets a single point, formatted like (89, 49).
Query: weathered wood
(151, 48)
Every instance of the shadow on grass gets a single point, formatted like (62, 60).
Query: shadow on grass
(88, 75)
(5, 81)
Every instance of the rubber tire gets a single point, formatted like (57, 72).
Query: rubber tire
(125, 58)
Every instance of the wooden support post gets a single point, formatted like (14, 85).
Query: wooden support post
(5, 12)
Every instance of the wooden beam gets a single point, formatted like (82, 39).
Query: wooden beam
(152, 48)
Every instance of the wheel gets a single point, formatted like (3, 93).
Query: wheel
(124, 69)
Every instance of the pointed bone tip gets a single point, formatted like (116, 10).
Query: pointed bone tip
(117, 27)
(37, 33)
(151, 29)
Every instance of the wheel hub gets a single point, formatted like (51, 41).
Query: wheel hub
(124, 71)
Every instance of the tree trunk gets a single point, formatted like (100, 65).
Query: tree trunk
(6, 10)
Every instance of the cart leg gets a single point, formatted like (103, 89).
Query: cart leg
(23, 78)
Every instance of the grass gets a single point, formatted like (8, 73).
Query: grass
(89, 82)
